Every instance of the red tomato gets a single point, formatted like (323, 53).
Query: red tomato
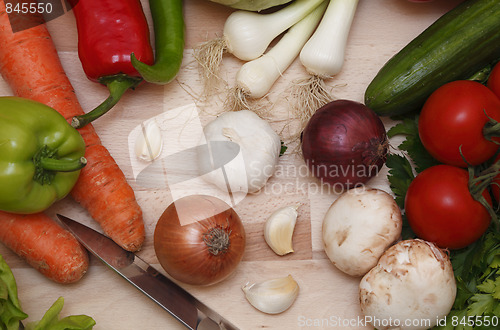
(440, 208)
(494, 80)
(455, 115)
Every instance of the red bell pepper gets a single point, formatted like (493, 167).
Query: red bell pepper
(108, 32)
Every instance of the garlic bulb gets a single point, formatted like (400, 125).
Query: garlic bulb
(272, 296)
(259, 149)
(149, 142)
(278, 229)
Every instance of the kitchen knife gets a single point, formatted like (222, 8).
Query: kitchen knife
(174, 299)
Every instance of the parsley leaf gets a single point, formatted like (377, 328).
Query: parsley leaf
(283, 148)
(400, 176)
(481, 304)
(412, 144)
(477, 272)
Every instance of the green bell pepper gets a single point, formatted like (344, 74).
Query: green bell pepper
(40, 156)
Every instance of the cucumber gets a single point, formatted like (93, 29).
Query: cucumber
(457, 45)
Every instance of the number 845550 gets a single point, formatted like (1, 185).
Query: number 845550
(28, 7)
(483, 320)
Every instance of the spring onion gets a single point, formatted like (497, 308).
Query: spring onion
(323, 56)
(256, 77)
(247, 35)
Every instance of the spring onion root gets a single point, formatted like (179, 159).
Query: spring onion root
(247, 35)
(323, 57)
(310, 93)
(209, 57)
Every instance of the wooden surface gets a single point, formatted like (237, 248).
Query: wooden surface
(327, 298)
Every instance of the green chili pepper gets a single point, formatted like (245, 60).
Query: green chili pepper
(40, 156)
(168, 25)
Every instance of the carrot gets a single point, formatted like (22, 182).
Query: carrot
(45, 245)
(30, 64)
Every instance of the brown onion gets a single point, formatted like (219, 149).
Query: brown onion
(344, 143)
(199, 240)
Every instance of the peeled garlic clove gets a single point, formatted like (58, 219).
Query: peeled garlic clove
(272, 296)
(279, 228)
(149, 142)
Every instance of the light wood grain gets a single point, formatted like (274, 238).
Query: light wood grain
(328, 298)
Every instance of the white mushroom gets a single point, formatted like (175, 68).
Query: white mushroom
(411, 287)
(358, 227)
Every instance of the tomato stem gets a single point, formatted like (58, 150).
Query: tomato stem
(491, 129)
(477, 185)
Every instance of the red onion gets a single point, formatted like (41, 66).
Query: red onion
(344, 143)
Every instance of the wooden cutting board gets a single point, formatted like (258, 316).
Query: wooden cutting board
(327, 298)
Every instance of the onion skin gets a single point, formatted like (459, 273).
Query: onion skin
(344, 143)
(179, 240)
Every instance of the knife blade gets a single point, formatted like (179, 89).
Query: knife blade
(183, 306)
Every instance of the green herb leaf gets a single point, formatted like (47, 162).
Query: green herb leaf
(11, 313)
(487, 286)
(495, 262)
(51, 321)
(481, 304)
(412, 144)
(478, 283)
(10, 307)
(408, 126)
(283, 148)
(400, 176)
(496, 291)
(463, 294)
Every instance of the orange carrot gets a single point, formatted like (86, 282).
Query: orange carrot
(45, 245)
(30, 64)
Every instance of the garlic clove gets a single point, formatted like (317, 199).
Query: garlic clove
(278, 230)
(272, 296)
(149, 142)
